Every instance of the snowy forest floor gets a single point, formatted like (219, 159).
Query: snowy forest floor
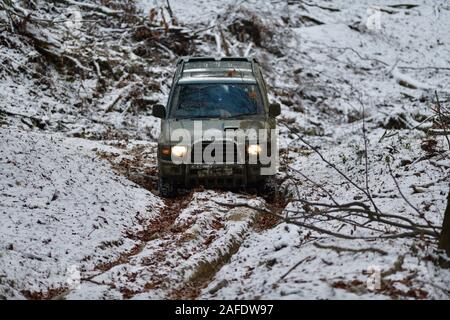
(80, 215)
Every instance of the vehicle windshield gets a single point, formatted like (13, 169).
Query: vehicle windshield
(215, 100)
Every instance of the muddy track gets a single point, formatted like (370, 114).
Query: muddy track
(160, 228)
(181, 250)
(157, 228)
(170, 235)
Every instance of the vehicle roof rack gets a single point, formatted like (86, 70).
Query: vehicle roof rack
(199, 59)
(216, 65)
(236, 59)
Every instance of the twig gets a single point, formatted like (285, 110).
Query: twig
(332, 165)
(366, 171)
(245, 205)
(314, 183)
(358, 54)
(309, 258)
(423, 68)
(111, 106)
(409, 203)
(12, 114)
(203, 30)
(171, 15)
(397, 267)
(380, 218)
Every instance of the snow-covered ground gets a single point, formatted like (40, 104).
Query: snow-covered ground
(66, 216)
(62, 208)
(337, 65)
(82, 218)
(201, 11)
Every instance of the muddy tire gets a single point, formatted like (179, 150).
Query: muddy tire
(166, 188)
(268, 188)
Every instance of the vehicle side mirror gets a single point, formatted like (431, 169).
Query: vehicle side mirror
(159, 111)
(274, 110)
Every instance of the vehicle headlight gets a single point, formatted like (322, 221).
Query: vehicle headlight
(254, 149)
(165, 151)
(179, 151)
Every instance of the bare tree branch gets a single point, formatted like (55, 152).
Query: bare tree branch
(332, 165)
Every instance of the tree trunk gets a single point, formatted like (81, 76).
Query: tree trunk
(444, 239)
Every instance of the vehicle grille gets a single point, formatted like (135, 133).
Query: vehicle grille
(227, 152)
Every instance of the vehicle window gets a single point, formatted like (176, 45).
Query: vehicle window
(215, 100)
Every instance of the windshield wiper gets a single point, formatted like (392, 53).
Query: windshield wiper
(196, 117)
(238, 116)
(241, 116)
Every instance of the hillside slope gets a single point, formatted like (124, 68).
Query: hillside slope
(364, 172)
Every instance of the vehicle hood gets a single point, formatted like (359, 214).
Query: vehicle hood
(190, 125)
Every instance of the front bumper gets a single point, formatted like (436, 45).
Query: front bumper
(211, 175)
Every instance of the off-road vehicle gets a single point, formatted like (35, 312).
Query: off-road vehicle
(218, 127)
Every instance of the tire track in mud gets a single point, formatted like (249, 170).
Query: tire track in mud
(153, 230)
(159, 228)
(179, 251)
(205, 272)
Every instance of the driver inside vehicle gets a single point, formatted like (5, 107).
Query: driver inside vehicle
(215, 100)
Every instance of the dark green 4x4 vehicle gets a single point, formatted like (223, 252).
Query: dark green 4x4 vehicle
(218, 129)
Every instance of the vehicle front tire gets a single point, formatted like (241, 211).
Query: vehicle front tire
(166, 188)
(268, 188)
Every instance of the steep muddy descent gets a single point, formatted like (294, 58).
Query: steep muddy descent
(152, 248)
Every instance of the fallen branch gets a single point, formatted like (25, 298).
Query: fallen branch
(347, 237)
(407, 81)
(36, 121)
(91, 6)
(341, 249)
(319, 6)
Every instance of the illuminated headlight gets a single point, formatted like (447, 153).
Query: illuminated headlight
(254, 149)
(179, 151)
